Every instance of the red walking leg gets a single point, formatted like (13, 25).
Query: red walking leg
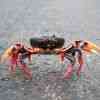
(27, 72)
(61, 57)
(68, 72)
(12, 67)
(80, 60)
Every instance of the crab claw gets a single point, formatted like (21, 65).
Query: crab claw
(90, 47)
(5, 55)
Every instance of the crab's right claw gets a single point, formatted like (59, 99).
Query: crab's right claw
(91, 47)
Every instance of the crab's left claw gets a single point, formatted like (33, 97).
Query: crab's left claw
(90, 47)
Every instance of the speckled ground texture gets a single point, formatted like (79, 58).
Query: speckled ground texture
(70, 19)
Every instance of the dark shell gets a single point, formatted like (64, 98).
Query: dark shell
(47, 42)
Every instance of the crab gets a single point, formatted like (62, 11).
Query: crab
(55, 45)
